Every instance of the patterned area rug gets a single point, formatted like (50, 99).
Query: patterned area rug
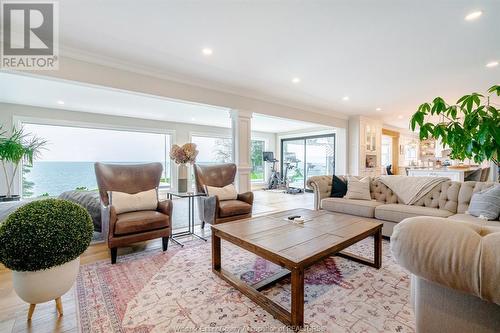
(176, 291)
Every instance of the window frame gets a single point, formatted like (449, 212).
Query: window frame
(266, 148)
(18, 121)
(304, 138)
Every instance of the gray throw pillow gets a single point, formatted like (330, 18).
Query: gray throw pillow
(486, 203)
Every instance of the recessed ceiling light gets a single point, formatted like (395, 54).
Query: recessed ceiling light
(345, 98)
(492, 64)
(207, 51)
(193, 118)
(296, 80)
(60, 102)
(400, 116)
(378, 109)
(473, 16)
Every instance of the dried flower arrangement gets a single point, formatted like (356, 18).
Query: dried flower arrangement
(185, 154)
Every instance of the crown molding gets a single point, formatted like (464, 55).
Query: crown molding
(119, 64)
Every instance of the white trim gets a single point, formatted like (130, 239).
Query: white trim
(17, 120)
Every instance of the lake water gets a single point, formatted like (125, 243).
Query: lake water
(56, 177)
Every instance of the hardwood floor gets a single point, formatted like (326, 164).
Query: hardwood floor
(13, 311)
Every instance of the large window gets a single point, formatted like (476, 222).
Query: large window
(258, 169)
(68, 162)
(304, 157)
(213, 150)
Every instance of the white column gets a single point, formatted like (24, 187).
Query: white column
(241, 122)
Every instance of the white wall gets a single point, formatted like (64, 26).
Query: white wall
(340, 144)
(181, 132)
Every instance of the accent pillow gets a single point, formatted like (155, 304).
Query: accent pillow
(125, 202)
(486, 203)
(227, 192)
(358, 188)
(339, 187)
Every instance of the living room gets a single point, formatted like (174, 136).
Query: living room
(252, 178)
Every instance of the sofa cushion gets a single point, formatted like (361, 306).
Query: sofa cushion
(466, 191)
(129, 223)
(339, 187)
(486, 203)
(475, 220)
(233, 207)
(227, 192)
(126, 202)
(365, 208)
(358, 188)
(399, 212)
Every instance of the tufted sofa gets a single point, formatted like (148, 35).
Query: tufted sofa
(447, 200)
(455, 270)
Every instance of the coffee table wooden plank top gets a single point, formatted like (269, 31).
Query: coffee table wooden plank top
(298, 243)
(294, 247)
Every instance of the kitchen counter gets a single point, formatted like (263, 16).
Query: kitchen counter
(452, 173)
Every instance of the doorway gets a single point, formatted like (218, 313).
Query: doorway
(303, 157)
(390, 152)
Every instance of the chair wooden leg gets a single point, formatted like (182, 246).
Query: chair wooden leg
(59, 306)
(31, 310)
(114, 253)
(164, 241)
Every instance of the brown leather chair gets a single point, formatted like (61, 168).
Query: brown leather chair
(211, 209)
(131, 227)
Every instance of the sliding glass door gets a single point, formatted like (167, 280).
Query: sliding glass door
(304, 157)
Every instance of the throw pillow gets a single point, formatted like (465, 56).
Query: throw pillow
(125, 202)
(486, 203)
(227, 192)
(339, 188)
(358, 188)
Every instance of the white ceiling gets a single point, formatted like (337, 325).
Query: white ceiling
(87, 98)
(385, 53)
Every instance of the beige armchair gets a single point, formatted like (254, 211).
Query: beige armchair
(455, 272)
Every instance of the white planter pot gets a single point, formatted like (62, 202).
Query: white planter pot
(45, 285)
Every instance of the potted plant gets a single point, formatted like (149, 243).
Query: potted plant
(41, 243)
(15, 148)
(182, 155)
(470, 128)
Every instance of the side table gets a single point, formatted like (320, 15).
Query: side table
(191, 197)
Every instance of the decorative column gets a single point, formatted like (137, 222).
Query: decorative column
(241, 122)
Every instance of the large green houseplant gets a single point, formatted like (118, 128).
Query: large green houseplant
(41, 242)
(470, 127)
(16, 148)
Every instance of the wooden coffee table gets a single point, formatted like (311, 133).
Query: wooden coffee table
(294, 247)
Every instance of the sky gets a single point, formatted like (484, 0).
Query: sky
(96, 145)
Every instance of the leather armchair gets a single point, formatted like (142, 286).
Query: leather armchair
(131, 227)
(211, 209)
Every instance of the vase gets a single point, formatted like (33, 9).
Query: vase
(182, 178)
(46, 284)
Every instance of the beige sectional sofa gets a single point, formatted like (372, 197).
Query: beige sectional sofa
(454, 257)
(448, 200)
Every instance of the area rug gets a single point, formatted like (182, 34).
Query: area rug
(176, 291)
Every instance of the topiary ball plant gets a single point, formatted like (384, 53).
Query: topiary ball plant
(43, 234)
